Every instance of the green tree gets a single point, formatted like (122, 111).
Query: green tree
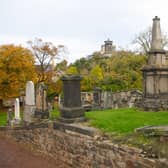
(72, 70)
(96, 75)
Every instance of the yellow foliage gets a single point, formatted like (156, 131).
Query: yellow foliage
(16, 67)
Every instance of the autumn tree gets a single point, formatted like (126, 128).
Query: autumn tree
(45, 53)
(16, 67)
(96, 75)
(144, 38)
(72, 70)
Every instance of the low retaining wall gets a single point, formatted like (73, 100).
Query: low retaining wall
(76, 146)
(111, 100)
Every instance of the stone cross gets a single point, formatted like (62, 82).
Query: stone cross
(17, 109)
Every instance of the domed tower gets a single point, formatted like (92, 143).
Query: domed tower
(108, 48)
(155, 73)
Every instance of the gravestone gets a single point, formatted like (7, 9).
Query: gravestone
(42, 111)
(29, 108)
(71, 109)
(97, 98)
(9, 116)
(17, 109)
(17, 120)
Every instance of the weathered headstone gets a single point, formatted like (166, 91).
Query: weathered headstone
(9, 116)
(97, 98)
(17, 109)
(41, 102)
(29, 109)
(17, 120)
(72, 109)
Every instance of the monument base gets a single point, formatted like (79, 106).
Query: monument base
(72, 114)
(15, 122)
(29, 114)
(153, 104)
(72, 120)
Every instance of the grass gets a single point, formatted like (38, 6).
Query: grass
(3, 118)
(125, 120)
(54, 114)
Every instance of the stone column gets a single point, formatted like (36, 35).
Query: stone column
(72, 109)
(17, 109)
(156, 35)
(29, 109)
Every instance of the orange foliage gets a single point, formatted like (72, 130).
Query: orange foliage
(16, 67)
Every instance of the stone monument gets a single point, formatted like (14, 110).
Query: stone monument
(155, 73)
(42, 111)
(29, 109)
(17, 109)
(71, 109)
(17, 120)
(97, 98)
(107, 49)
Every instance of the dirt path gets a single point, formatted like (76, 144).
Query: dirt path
(13, 155)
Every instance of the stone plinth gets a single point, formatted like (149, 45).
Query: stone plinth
(72, 109)
(29, 113)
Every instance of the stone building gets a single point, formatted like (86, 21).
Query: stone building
(107, 48)
(155, 73)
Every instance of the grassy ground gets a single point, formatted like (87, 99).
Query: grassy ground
(54, 114)
(3, 118)
(120, 121)
(125, 120)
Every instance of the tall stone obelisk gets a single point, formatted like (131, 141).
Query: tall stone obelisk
(155, 73)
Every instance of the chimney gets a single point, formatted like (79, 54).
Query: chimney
(156, 35)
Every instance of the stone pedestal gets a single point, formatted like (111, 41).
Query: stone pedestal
(15, 123)
(29, 113)
(72, 109)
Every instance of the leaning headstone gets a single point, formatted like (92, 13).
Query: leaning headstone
(42, 111)
(72, 109)
(29, 109)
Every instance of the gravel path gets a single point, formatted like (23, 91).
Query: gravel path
(12, 155)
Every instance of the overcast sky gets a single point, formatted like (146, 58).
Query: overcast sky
(80, 25)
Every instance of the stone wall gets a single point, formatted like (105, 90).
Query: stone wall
(75, 146)
(111, 100)
(120, 99)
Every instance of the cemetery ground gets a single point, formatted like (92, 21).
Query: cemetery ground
(119, 126)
